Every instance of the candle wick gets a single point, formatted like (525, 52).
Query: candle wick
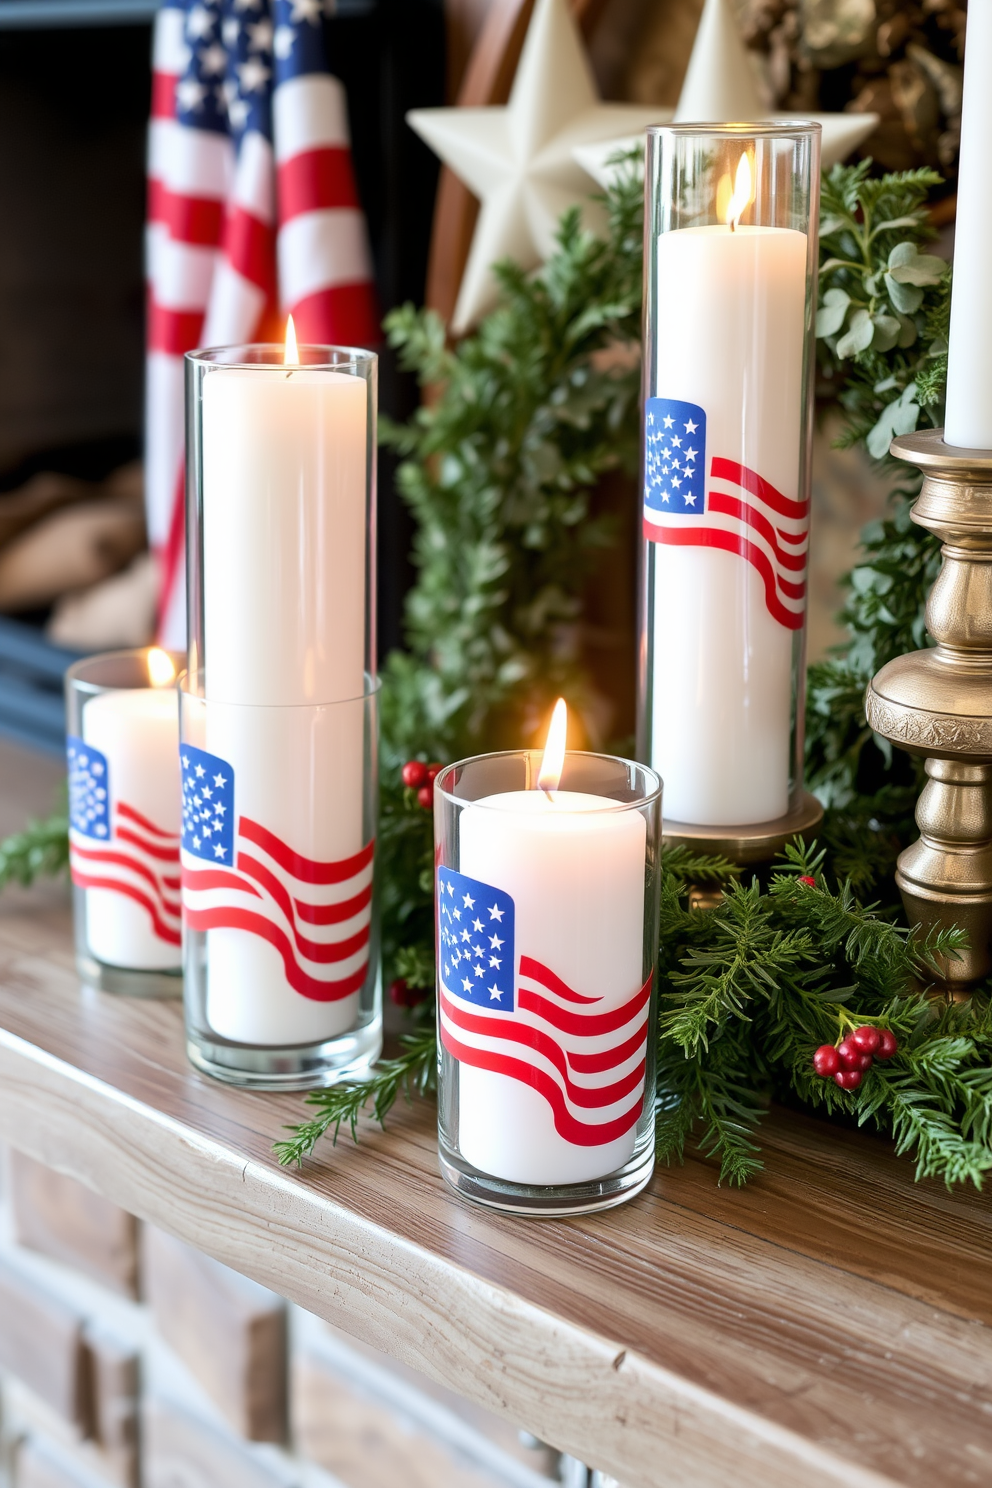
(731, 224)
(550, 796)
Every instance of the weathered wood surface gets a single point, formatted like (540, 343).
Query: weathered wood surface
(828, 1326)
(60, 1218)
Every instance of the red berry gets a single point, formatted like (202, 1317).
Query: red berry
(433, 771)
(403, 995)
(826, 1061)
(851, 1057)
(867, 1039)
(414, 774)
(806, 880)
(848, 1079)
(425, 796)
(887, 1044)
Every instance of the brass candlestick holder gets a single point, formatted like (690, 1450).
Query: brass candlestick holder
(938, 703)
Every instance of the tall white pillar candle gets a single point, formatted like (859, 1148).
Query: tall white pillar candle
(553, 940)
(968, 415)
(722, 506)
(284, 595)
(124, 827)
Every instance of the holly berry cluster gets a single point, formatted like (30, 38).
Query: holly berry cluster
(846, 1062)
(420, 777)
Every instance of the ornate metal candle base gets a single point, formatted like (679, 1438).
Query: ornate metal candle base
(751, 844)
(938, 703)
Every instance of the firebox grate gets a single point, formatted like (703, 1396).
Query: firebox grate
(32, 705)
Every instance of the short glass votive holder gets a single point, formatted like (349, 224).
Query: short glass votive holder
(280, 925)
(547, 943)
(122, 752)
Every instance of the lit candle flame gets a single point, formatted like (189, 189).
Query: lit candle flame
(742, 193)
(161, 672)
(554, 750)
(291, 357)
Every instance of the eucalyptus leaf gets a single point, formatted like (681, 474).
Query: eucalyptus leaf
(906, 298)
(887, 330)
(908, 265)
(859, 335)
(831, 315)
(898, 417)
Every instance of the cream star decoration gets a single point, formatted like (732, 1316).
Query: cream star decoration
(519, 160)
(720, 86)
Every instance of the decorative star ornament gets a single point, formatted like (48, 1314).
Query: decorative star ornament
(519, 160)
(720, 88)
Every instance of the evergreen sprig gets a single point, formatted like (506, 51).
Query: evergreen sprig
(40, 851)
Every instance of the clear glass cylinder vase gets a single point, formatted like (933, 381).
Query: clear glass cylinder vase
(122, 751)
(279, 716)
(547, 941)
(730, 295)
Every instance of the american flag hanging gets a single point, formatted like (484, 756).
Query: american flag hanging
(736, 510)
(114, 847)
(237, 875)
(252, 213)
(521, 1020)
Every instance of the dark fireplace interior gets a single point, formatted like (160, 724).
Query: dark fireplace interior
(74, 100)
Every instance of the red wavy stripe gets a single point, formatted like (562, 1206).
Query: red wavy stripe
(249, 246)
(144, 823)
(791, 537)
(730, 470)
(333, 914)
(590, 1024)
(345, 314)
(173, 331)
(154, 849)
(538, 972)
(197, 220)
(579, 1133)
(323, 953)
(164, 95)
(542, 1043)
(730, 542)
(307, 870)
(202, 879)
(315, 180)
(130, 891)
(744, 512)
(134, 865)
(255, 924)
(595, 1064)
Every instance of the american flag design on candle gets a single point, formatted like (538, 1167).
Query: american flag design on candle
(239, 875)
(508, 1013)
(728, 506)
(112, 846)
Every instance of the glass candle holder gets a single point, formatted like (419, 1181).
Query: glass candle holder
(730, 297)
(279, 715)
(124, 815)
(547, 942)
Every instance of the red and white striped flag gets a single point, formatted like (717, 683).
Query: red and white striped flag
(252, 214)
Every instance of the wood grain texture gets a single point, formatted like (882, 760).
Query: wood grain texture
(178, 1451)
(230, 1331)
(62, 1219)
(829, 1326)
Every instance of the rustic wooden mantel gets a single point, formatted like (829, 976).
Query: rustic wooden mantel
(830, 1325)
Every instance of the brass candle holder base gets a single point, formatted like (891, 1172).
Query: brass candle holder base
(752, 844)
(938, 703)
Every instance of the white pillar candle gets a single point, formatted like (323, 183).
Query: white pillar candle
(540, 946)
(731, 307)
(284, 598)
(968, 416)
(124, 827)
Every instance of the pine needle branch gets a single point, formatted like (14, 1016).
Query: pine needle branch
(40, 851)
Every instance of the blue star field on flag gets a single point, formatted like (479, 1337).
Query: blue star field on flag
(89, 789)
(475, 930)
(208, 805)
(674, 456)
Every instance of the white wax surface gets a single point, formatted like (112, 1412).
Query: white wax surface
(138, 731)
(283, 535)
(284, 464)
(316, 807)
(731, 310)
(575, 871)
(968, 416)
